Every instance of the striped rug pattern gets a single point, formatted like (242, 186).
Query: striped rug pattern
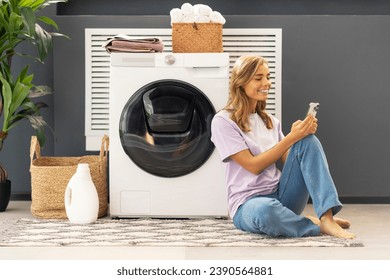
(150, 232)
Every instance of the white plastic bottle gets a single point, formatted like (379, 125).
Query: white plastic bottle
(81, 198)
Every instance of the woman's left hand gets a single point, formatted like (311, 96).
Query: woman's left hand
(301, 129)
(314, 125)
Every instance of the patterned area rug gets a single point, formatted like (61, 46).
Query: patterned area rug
(150, 232)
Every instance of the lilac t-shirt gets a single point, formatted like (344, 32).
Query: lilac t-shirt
(229, 139)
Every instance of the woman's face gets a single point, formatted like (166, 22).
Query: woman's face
(257, 88)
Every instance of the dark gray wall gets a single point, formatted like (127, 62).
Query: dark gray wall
(340, 61)
(228, 7)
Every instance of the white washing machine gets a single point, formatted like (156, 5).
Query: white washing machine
(162, 162)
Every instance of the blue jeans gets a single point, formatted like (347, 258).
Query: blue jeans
(304, 174)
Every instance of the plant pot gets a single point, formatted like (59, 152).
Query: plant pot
(5, 194)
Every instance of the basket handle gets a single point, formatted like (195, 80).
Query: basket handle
(34, 149)
(104, 151)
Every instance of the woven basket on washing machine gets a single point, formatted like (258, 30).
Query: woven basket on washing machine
(197, 37)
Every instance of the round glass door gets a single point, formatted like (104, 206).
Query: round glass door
(165, 128)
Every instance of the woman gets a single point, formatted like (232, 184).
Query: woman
(250, 141)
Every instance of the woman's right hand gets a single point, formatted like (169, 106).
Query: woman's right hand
(301, 129)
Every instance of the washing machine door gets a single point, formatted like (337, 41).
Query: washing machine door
(165, 128)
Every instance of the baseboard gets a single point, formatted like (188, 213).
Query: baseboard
(21, 197)
(363, 199)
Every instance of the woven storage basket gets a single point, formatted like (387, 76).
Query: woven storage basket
(50, 177)
(197, 37)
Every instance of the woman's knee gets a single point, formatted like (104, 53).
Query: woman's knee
(311, 140)
(262, 209)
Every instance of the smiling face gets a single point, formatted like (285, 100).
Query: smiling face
(258, 87)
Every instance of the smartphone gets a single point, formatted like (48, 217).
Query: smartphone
(313, 108)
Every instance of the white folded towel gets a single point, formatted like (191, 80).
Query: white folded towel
(176, 15)
(187, 9)
(175, 12)
(201, 9)
(217, 17)
(201, 13)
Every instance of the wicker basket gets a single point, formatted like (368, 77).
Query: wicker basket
(50, 177)
(197, 38)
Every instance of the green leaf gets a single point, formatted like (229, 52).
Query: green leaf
(14, 23)
(4, 22)
(41, 136)
(29, 108)
(20, 94)
(15, 120)
(6, 72)
(28, 80)
(40, 105)
(29, 20)
(22, 74)
(48, 21)
(39, 91)
(54, 34)
(34, 4)
(7, 99)
(43, 40)
(38, 124)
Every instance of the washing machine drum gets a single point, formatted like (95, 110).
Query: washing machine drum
(165, 128)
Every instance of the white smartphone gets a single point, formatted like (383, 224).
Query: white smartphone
(313, 108)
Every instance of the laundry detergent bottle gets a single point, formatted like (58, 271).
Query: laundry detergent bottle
(81, 198)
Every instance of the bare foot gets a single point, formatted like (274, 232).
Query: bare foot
(332, 228)
(328, 225)
(314, 220)
(345, 224)
(342, 222)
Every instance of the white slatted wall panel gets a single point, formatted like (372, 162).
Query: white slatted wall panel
(236, 41)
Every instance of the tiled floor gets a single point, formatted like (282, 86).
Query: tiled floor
(370, 222)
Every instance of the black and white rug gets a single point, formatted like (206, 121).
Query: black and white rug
(150, 232)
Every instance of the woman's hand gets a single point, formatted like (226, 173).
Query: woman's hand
(256, 164)
(301, 129)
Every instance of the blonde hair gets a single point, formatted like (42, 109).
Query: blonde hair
(238, 104)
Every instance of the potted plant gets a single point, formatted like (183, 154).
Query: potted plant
(20, 23)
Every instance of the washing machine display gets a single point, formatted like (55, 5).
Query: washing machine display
(165, 128)
(162, 162)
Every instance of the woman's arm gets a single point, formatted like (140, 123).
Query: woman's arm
(284, 156)
(256, 164)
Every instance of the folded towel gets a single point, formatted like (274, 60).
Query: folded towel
(187, 9)
(201, 9)
(176, 15)
(135, 39)
(175, 11)
(198, 13)
(217, 17)
(124, 43)
(126, 46)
